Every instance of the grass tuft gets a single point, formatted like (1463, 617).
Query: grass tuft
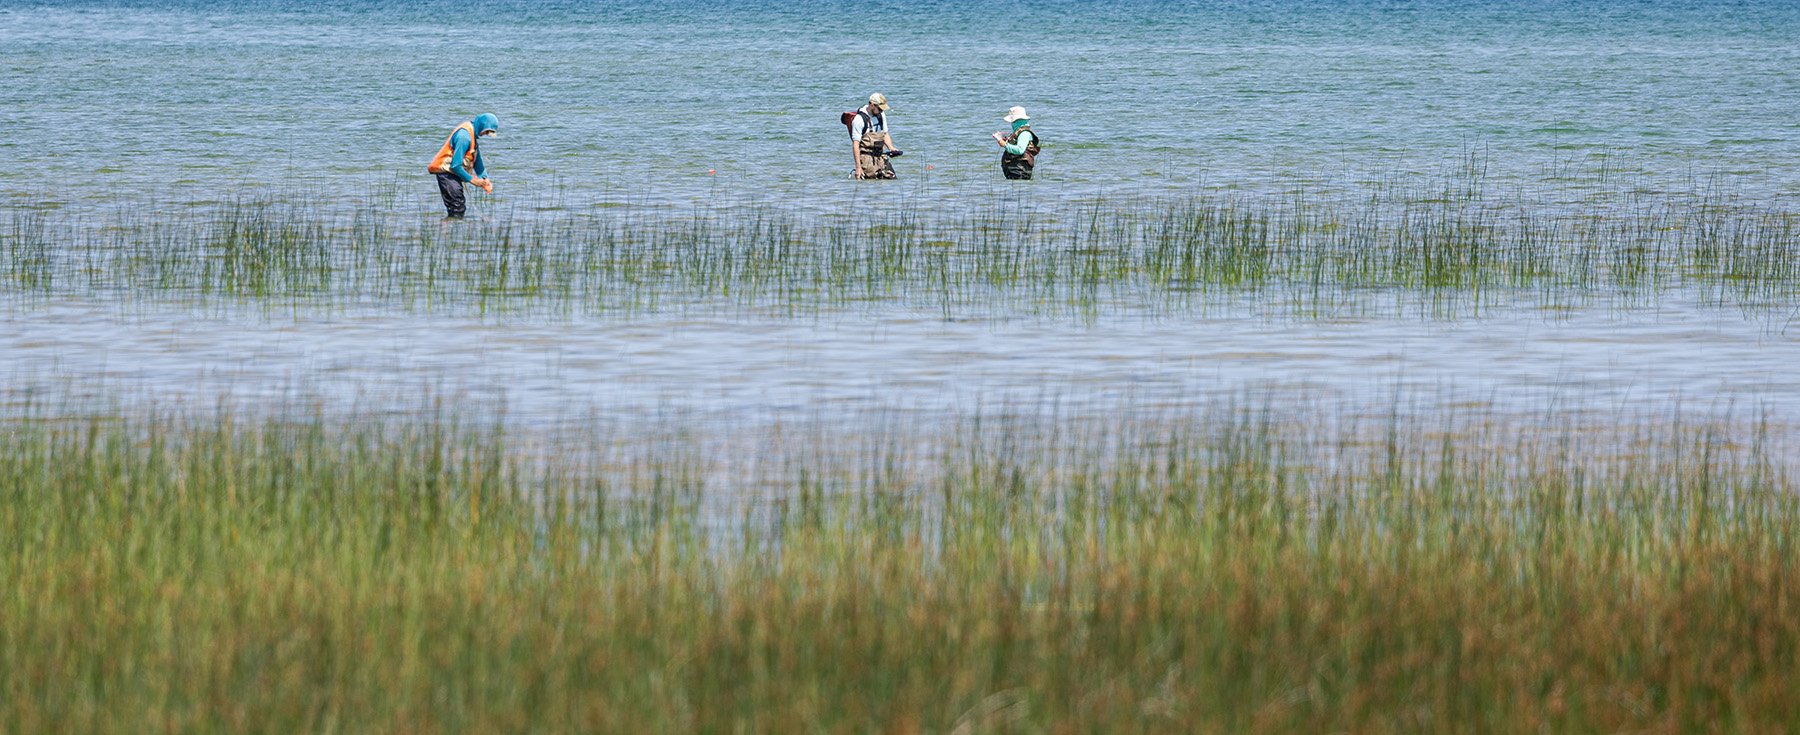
(1454, 251)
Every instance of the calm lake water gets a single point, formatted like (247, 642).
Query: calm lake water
(157, 108)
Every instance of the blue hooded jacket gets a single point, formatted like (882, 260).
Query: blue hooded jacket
(460, 141)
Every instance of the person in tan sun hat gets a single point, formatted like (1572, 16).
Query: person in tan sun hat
(1019, 148)
(871, 145)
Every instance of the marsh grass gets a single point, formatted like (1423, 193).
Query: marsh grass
(1228, 572)
(1455, 250)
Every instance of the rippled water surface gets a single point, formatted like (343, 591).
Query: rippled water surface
(150, 110)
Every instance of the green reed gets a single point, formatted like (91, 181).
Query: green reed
(1455, 248)
(1227, 572)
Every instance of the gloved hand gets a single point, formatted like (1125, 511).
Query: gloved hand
(486, 185)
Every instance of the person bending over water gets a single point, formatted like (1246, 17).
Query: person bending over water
(459, 156)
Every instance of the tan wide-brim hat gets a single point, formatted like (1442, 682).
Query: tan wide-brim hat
(1016, 114)
(879, 100)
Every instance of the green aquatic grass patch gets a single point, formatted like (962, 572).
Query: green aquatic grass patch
(1229, 572)
(1453, 251)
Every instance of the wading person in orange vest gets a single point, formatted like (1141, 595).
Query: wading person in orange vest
(459, 162)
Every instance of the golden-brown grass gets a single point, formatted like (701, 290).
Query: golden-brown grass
(1217, 573)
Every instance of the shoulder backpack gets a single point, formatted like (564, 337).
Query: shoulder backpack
(850, 117)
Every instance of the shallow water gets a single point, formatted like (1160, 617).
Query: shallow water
(157, 107)
(773, 370)
(637, 102)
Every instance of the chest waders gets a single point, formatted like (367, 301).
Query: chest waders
(1018, 166)
(872, 150)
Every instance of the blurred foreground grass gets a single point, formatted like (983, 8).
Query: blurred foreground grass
(1224, 573)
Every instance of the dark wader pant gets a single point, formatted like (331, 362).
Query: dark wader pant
(1018, 168)
(452, 189)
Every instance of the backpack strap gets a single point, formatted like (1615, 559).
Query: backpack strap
(868, 121)
(1031, 149)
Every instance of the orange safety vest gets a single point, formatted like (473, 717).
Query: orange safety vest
(440, 164)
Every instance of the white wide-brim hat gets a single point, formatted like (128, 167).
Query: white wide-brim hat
(1016, 114)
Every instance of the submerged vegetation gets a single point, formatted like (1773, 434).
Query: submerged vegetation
(1455, 249)
(1229, 572)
